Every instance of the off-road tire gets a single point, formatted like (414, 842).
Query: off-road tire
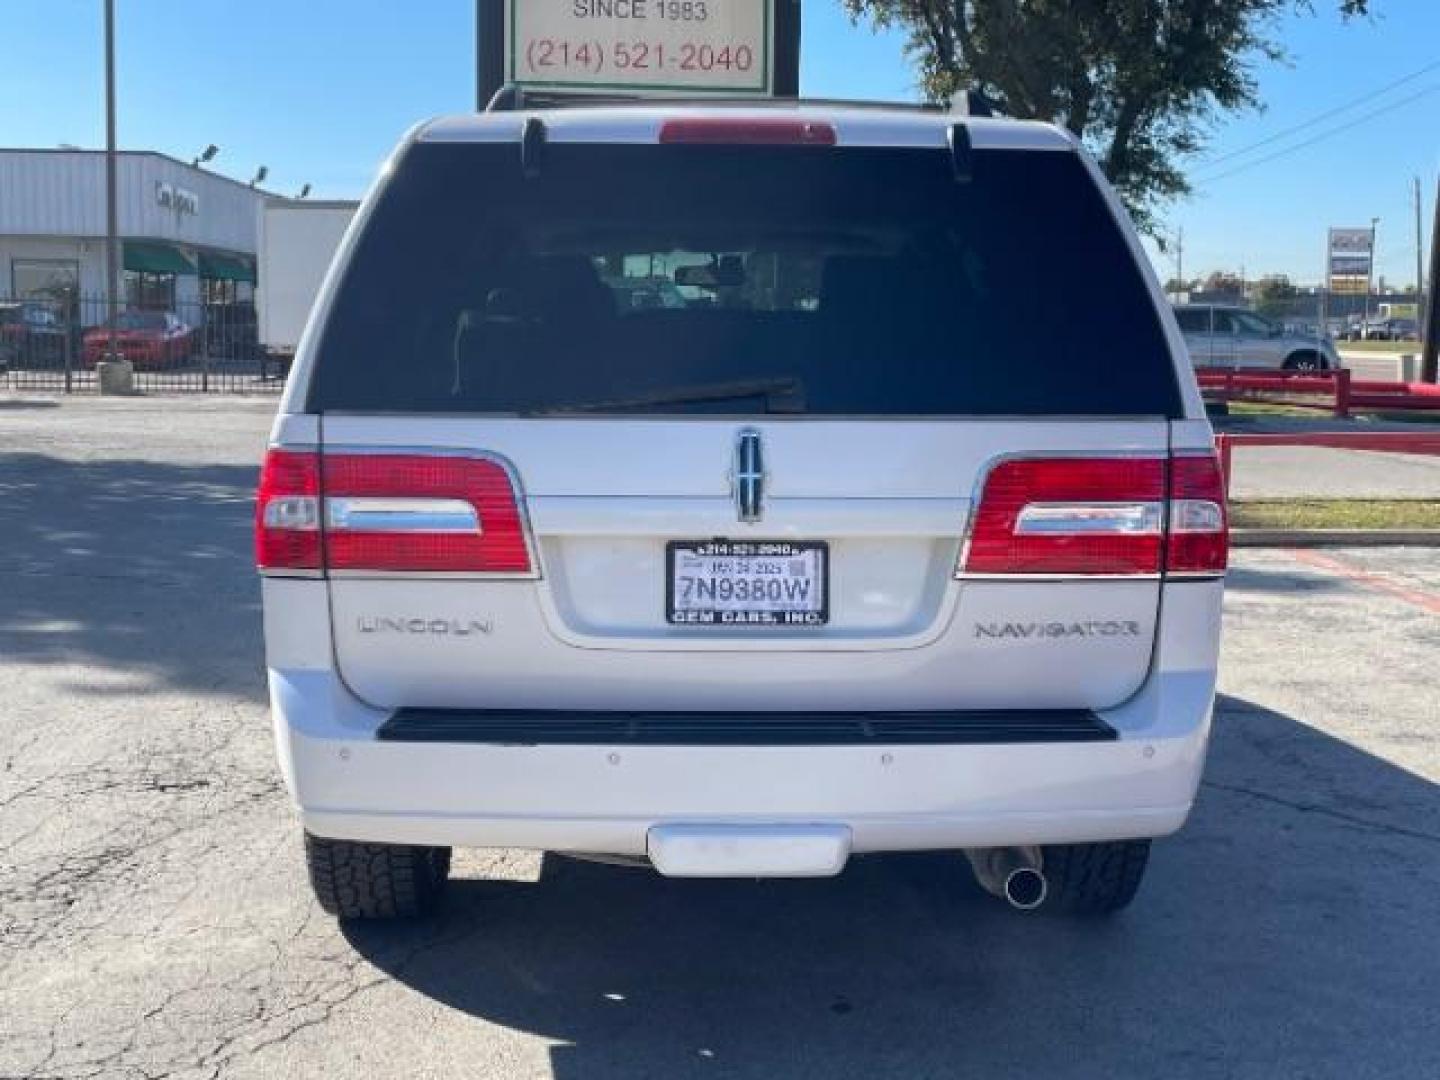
(1094, 879)
(1306, 361)
(354, 880)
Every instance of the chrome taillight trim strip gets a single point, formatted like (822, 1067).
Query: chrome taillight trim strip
(371, 514)
(1140, 518)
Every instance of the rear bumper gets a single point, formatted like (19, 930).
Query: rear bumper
(352, 781)
(606, 797)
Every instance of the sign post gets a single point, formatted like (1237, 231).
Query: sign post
(1349, 263)
(1430, 351)
(637, 48)
(1349, 260)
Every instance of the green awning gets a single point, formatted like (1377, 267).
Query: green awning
(156, 259)
(226, 268)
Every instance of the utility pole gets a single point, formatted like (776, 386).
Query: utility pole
(112, 201)
(1369, 278)
(490, 71)
(115, 375)
(1180, 263)
(1325, 289)
(1419, 255)
(1429, 361)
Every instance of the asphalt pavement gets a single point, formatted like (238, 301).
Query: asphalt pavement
(154, 921)
(1307, 472)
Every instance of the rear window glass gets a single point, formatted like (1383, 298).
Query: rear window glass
(704, 279)
(1193, 320)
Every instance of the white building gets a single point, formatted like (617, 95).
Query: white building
(188, 235)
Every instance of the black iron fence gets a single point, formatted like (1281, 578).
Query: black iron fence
(54, 345)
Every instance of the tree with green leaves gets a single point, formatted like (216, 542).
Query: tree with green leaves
(1274, 294)
(1141, 82)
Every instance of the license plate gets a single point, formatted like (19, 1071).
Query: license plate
(747, 582)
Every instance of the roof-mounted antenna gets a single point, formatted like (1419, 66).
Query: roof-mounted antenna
(532, 147)
(961, 156)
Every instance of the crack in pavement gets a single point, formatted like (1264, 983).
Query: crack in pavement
(1324, 811)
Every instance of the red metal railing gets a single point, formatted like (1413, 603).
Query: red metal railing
(1392, 442)
(1337, 391)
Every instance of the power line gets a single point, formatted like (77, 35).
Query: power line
(1319, 138)
(1320, 118)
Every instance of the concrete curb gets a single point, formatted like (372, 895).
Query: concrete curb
(1315, 538)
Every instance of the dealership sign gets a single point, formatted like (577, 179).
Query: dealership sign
(1348, 255)
(642, 46)
(178, 199)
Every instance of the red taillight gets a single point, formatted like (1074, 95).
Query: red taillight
(407, 512)
(287, 512)
(767, 131)
(419, 513)
(1070, 516)
(1199, 537)
(1080, 516)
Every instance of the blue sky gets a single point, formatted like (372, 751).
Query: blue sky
(319, 90)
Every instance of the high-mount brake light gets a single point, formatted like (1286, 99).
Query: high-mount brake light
(1100, 516)
(401, 512)
(766, 131)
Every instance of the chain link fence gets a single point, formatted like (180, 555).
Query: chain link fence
(54, 345)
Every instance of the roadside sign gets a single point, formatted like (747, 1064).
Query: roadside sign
(642, 46)
(1348, 255)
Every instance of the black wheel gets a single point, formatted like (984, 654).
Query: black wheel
(1094, 879)
(354, 880)
(1304, 361)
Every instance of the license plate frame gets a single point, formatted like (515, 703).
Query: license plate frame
(765, 618)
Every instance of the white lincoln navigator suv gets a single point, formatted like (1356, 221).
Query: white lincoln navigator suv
(734, 490)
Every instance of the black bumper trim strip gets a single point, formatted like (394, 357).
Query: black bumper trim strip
(529, 727)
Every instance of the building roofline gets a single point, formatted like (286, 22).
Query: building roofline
(143, 153)
(320, 204)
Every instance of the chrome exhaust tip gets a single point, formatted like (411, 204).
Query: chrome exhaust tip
(1014, 874)
(1025, 888)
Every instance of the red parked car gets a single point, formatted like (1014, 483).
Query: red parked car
(148, 339)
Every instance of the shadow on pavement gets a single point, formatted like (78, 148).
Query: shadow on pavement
(1274, 579)
(1288, 931)
(140, 569)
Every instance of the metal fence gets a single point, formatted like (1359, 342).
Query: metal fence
(54, 345)
(1344, 315)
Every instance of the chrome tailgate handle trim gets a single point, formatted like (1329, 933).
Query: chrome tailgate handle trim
(357, 514)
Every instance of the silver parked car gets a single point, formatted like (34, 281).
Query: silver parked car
(1218, 336)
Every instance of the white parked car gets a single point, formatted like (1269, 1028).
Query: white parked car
(1234, 337)
(825, 561)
